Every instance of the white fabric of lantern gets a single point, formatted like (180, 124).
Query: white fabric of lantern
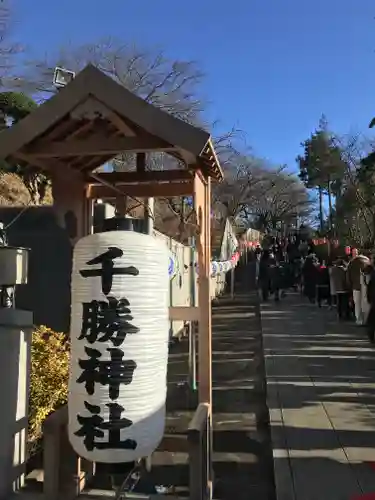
(119, 346)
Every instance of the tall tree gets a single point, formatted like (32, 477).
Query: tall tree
(172, 85)
(13, 107)
(282, 201)
(355, 207)
(321, 166)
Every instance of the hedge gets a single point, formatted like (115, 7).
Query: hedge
(49, 378)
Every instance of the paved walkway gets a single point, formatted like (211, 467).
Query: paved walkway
(242, 450)
(321, 396)
(242, 453)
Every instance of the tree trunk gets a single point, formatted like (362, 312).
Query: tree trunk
(330, 206)
(321, 218)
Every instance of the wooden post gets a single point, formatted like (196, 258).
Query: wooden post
(203, 244)
(73, 209)
(202, 200)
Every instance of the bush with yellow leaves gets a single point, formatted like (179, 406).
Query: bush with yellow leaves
(49, 377)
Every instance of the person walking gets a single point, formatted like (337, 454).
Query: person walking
(365, 280)
(341, 286)
(371, 300)
(309, 273)
(322, 286)
(355, 267)
(332, 284)
(276, 277)
(264, 278)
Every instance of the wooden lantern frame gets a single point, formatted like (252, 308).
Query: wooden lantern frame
(88, 123)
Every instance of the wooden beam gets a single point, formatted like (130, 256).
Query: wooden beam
(141, 162)
(97, 146)
(184, 313)
(144, 190)
(51, 166)
(91, 108)
(150, 176)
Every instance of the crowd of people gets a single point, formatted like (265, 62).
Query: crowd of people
(345, 283)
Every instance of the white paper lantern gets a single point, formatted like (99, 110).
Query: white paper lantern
(119, 346)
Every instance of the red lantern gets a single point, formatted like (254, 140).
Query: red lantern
(347, 250)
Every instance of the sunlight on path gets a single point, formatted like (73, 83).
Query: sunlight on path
(321, 396)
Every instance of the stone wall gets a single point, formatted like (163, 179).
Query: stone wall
(48, 292)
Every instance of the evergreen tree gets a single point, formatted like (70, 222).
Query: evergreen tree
(321, 167)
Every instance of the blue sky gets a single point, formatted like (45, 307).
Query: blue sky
(272, 66)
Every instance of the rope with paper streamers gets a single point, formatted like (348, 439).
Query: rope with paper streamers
(217, 267)
(173, 266)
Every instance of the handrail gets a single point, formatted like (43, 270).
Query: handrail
(65, 474)
(200, 443)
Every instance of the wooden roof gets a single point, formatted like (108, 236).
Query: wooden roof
(92, 120)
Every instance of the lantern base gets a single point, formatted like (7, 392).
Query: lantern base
(127, 478)
(15, 343)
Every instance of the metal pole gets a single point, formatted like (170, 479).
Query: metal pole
(149, 214)
(232, 283)
(192, 330)
(192, 356)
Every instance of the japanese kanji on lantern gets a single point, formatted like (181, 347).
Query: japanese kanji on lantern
(119, 346)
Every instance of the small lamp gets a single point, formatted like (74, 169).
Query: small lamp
(62, 77)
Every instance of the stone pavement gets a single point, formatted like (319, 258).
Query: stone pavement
(242, 451)
(321, 397)
(242, 455)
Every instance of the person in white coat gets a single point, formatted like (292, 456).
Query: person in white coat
(355, 267)
(365, 280)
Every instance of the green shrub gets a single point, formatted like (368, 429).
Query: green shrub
(49, 377)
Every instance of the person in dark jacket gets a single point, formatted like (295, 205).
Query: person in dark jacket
(322, 285)
(276, 276)
(309, 274)
(341, 287)
(264, 278)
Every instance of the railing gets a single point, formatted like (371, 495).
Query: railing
(200, 450)
(66, 474)
(183, 287)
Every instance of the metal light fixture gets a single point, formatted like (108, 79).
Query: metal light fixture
(62, 77)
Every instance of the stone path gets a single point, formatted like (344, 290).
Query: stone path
(242, 452)
(321, 396)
